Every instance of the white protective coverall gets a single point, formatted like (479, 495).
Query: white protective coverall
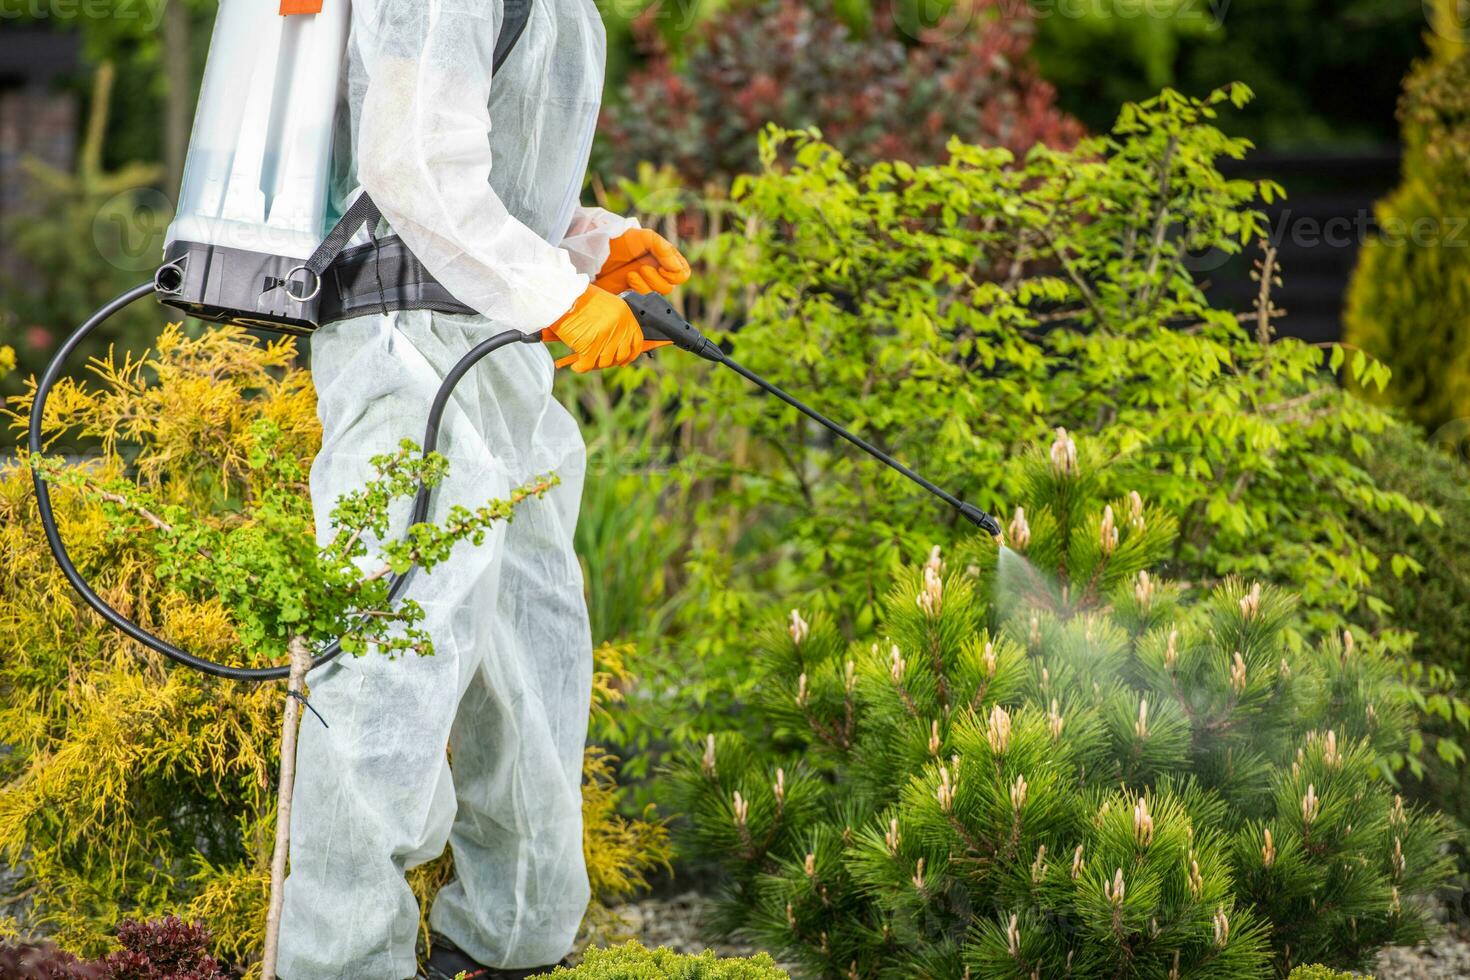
(481, 180)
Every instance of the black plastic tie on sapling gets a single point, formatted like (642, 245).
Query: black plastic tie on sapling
(309, 706)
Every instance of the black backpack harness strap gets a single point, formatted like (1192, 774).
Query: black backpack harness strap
(383, 275)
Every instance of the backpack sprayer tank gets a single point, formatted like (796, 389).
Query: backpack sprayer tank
(255, 201)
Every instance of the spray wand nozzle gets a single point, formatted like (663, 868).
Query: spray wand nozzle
(660, 322)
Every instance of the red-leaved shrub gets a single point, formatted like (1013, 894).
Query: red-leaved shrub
(891, 93)
(161, 949)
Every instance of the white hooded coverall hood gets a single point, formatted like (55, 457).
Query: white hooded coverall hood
(481, 180)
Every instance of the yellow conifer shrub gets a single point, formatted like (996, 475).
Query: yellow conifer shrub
(131, 788)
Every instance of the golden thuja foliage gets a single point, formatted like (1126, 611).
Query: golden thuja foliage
(132, 789)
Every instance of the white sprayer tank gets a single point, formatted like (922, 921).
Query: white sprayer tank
(257, 174)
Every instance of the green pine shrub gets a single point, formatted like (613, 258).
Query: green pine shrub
(1410, 292)
(1319, 972)
(633, 962)
(1045, 762)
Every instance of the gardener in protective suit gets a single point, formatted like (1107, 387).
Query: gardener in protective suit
(481, 180)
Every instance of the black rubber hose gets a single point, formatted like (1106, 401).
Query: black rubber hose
(398, 583)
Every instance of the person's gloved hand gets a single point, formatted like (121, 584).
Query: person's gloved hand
(602, 332)
(642, 260)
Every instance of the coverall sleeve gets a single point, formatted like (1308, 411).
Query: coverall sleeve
(423, 154)
(589, 235)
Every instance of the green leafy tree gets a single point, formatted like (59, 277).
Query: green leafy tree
(955, 313)
(1045, 762)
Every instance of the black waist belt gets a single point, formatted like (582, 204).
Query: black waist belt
(379, 277)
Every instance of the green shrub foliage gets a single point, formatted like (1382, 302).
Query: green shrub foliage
(955, 313)
(1429, 588)
(633, 962)
(1042, 762)
(1411, 289)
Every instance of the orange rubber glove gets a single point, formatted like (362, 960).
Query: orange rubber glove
(602, 332)
(644, 261)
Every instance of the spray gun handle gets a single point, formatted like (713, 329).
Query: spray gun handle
(660, 322)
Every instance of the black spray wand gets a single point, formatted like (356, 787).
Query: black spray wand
(660, 322)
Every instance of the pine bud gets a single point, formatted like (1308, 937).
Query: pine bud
(1114, 892)
(1108, 532)
(1033, 639)
(919, 875)
(1019, 790)
(1054, 721)
(1143, 823)
(1038, 867)
(1397, 861)
(1268, 850)
(799, 629)
(791, 916)
(1371, 715)
(935, 562)
(1013, 936)
(1143, 589)
(1077, 862)
(998, 730)
(1348, 643)
(896, 664)
(1250, 603)
(1174, 970)
(779, 787)
(1222, 927)
(1195, 880)
(1397, 817)
(708, 762)
(1046, 679)
(741, 808)
(1135, 510)
(849, 676)
(802, 694)
(1019, 532)
(931, 596)
(987, 660)
(1140, 727)
(1394, 908)
(1330, 754)
(1064, 453)
(892, 838)
(945, 791)
(810, 866)
(1237, 673)
(1171, 650)
(1285, 669)
(1310, 804)
(934, 742)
